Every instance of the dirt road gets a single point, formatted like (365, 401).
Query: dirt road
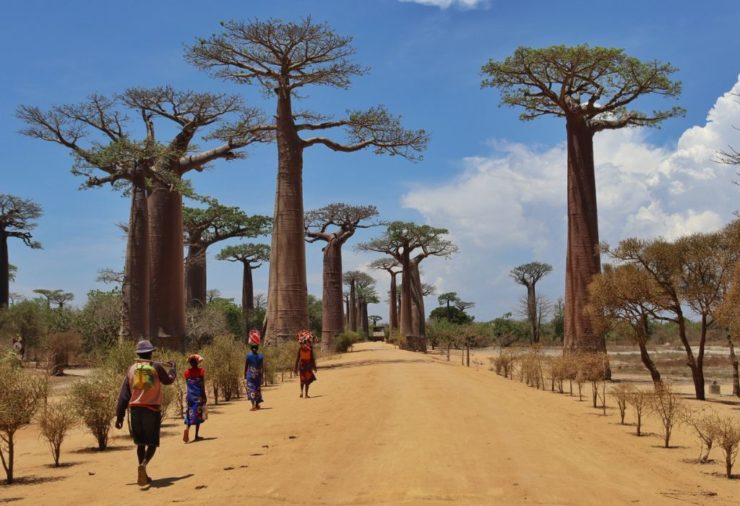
(386, 427)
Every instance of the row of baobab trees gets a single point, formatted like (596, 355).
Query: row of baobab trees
(591, 88)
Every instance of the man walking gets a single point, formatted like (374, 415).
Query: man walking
(142, 392)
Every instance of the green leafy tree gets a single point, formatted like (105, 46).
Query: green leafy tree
(17, 220)
(207, 226)
(251, 256)
(592, 88)
(284, 58)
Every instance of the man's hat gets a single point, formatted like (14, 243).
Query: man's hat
(144, 346)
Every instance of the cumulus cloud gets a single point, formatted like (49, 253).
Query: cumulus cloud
(445, 4)
(509, 206)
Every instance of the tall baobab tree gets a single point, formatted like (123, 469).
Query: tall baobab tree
(355, 279)
(251, 256)
(528, 275)
(17, 217)
(334, 225)
(284, 58)
(97, 133)
(400, 241)
(207, 226)
(365, 295)
(391, 266)
(592, 88)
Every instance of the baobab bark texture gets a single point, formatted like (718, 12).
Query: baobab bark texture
(287, 306)
(352, 305)
(196, 282)
(247, 296)
(167, 289)
(393, 303)
(135, 310)
(4, 271)
(583, 259)
(332, 317)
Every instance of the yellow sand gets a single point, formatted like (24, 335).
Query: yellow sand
(388, 427)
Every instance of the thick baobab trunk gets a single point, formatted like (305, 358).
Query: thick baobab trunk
(167, 289)
(406, 305)
(417, 302)
(352, 305)
(135, 311)
(332, 317)
(358, 313)
(346, 312)
(196, 280)
(365, 320)
(247, 297)
(4, 271)
(734, 365)
(287, 306)
(583, 259)
(532, 312)
(393, 296)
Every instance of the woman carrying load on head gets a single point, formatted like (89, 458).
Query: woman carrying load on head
(305, 362)
(254, 368)
(195, 382)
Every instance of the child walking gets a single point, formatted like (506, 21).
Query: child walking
(195, 413)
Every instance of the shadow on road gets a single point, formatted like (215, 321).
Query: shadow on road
(365, 363)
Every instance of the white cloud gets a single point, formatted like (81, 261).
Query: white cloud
(508, 207)
(445, 4)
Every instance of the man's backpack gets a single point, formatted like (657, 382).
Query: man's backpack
(144, 376)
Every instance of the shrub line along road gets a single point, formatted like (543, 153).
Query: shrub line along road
(386, 427)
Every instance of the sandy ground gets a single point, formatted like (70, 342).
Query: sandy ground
(388, 427)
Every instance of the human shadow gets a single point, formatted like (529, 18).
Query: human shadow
(201, 439)
(169, 481)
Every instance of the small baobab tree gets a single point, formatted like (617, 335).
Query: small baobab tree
(98, 134)
(401, 240)
(528, 275)
(366, 294)
(355, 280)
(251, 256)
(284, 58)
(58, 297)
(592, 88)
(17, 218)
(392, 267)
(205, 227)
(334, 225)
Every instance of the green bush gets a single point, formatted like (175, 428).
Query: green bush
(344, 341)
(226, 366)
(94, 401)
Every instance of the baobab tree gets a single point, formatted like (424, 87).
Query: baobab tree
(251, 256)
(447, 299)
(400, 241)
(284, 58)
(365, 295)
(334, 225)
(391, 266)
(528, 275)
(58, 297)
(355, 279)
(207, 226)
(591, 88)
(17, 217)
(97, 133)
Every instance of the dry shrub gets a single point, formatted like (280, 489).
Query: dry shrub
(119, 357)
(21, 395)
(669, 408)
(55, 420)
(530, 371)
(504, 363)
(94, 401)
(704, 422)
(175, 396)
(592, 368)
(59, 347)
(621, 394)
(226, 366)
(640, 401)
(727, 436)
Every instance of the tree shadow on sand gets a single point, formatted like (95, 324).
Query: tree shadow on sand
(6, 500)
(29, 480)
(366, 363)
(95, 449)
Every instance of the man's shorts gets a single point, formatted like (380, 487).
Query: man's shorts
(145, 425)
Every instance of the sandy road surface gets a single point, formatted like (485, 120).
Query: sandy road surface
(387, 427)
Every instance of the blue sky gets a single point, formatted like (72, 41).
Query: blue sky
(495, 182)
